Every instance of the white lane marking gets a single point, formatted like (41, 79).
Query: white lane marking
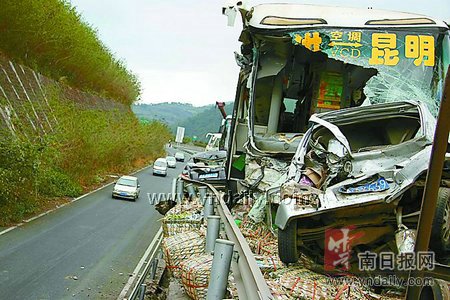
(38, 216)
(131, 280)
(73, 200)
(9, 229)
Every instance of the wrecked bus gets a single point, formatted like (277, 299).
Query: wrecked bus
(300, 60)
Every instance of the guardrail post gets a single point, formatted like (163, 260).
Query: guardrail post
(174, 189)
(202, 193)
(153, 268)
(208, 207)
(191, 190)
(212, 232)
(180, 190)
(142, 289)
(218, 281)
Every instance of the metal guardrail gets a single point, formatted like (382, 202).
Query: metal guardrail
(133, 289)
(185, 149)
(440, 272)
(249, 280)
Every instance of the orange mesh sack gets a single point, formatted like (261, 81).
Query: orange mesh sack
(180, 247)
(182, 218)
(195, 274)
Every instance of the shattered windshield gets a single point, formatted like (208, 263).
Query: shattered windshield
(320, 70)
(410, 65)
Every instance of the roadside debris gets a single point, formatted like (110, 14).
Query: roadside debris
(182, 218)
(195, 274)
(180, 247)
(183, 246)
(301, 280)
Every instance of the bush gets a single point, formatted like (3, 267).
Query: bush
(19, 167)
(54, 183)
(92, 141)
(85, 144)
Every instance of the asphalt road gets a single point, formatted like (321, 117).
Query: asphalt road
(85, 250)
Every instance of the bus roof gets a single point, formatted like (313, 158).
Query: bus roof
(287, 16)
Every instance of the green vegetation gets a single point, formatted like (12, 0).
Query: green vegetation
(170, 113)
(88, 144)
(51, 37)
(198, 121)
(207, 120)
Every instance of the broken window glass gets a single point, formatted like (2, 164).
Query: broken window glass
(410, 65)
(314, 71)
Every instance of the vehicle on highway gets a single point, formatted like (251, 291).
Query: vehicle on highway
(210, 157)
(126, 187)
(300, 60)
(297, 60)
(363, 168)
(213, 142)
(171, 162)
(207, 166)
(160, 167)
(179, 156)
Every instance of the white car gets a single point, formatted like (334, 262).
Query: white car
(171, 162)
(179, 156)
(127, 187)
(160, 167)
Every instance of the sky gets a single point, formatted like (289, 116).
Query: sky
(182, 51)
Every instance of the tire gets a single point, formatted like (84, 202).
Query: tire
(440, 230)
(438, 290)
(287, 243)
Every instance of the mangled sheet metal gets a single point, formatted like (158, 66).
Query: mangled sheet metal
(360, 167)
(262, 174)
(299, 72)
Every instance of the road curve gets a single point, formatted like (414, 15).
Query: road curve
(85, 250)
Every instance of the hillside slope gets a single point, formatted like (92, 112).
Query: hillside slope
(170, 113)
(201, 123)
(198, 121)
